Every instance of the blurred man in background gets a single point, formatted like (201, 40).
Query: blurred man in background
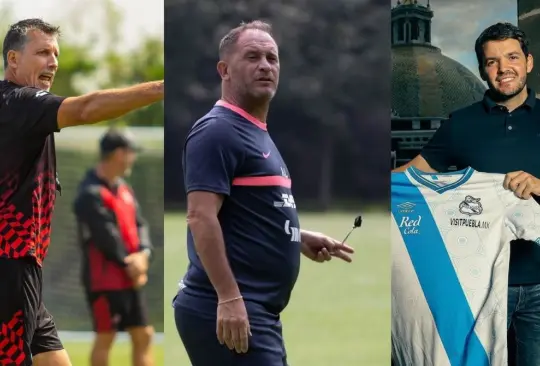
(116, 250)
(29, 116)
(244, 241)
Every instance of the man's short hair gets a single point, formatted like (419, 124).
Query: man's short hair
(227, 43)
(114, 139)
(16, 36)
(499, 32)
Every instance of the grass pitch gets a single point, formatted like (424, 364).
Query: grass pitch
(79, 353)
(339, 313)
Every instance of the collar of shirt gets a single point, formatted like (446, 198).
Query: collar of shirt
(491, 105)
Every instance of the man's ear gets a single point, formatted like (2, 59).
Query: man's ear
(223, 70)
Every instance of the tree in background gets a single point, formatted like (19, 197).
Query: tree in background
(144, 63)
(82, 69)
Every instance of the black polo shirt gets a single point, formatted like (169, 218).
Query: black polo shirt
(489, 138)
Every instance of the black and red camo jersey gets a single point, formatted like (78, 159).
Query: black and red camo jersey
(28, 178)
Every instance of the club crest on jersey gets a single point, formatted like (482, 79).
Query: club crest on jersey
(470, 206)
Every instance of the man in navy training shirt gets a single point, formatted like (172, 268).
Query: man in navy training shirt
(244, 236)
(116, 250)
(29, 117)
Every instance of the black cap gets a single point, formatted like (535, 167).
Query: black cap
(114, 139)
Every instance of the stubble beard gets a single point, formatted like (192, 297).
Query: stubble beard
(501, 96)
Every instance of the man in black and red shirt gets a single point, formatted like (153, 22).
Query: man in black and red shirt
(29, 116)
(116, 248)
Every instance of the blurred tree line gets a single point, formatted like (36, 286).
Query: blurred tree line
(330, 117)
(80, 65)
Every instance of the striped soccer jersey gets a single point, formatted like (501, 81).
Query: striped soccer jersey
(450, 266)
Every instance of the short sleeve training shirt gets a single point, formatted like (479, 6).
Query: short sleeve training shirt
(229, 152)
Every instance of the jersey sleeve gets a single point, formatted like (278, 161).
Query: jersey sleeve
(523, 219)
(438, 151)
(28, 110)
(213, 153)
(101, 223)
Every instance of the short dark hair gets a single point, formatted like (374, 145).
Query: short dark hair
(16, 36)
(228, 42)
(499, 32)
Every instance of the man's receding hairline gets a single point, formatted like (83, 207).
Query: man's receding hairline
(231, 48)
(230, 40)
(31, 34)
(37, 30)
(257, 30)
(271, 39)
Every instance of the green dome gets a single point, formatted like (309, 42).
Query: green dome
(426, 83)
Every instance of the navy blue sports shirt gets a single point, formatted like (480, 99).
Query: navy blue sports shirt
(230, 152)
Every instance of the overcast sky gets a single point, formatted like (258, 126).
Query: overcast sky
(140, 17)
(457, 24)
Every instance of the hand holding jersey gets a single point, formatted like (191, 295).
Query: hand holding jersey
(450, 259)
(522, 184)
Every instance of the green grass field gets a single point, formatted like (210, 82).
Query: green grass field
(79, 353)
(339, 313)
